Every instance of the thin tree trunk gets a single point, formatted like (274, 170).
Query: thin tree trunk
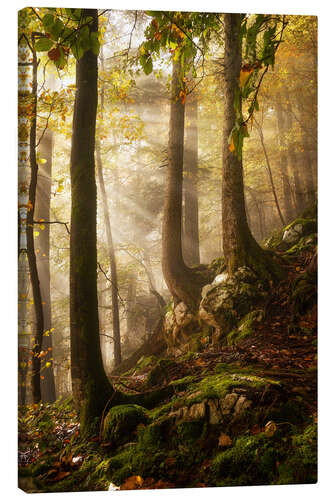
(270, 175)
(239, 246)
(42, 211)
(35, 285)
(112, 262)
(292, 158)
(191, 249)
(306, 160)
(287, 198)
(91, 388)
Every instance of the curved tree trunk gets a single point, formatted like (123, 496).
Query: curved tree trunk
(91, 388)
(239, 246)
(182, 282)
(191, 249)
(42, 211)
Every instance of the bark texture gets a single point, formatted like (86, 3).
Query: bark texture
(182, 282)
(91, 388)
(239, 246)
(191, 249)
(36, 293)
(42, 211)
(112, 262)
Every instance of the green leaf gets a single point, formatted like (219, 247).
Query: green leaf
(48, 21)
(57, 28)
(94, 43)
(43, 44)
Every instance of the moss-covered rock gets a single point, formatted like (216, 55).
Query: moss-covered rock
(245, 327)
(228, 299)
(121, 421)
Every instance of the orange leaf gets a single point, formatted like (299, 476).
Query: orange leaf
(132, 483)
(232, 145)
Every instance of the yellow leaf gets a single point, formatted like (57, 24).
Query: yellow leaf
(244, 75)
(232, 145)
(47, 364)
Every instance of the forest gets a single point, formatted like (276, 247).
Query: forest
(167, 249)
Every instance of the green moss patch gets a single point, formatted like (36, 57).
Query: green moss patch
(121, 421)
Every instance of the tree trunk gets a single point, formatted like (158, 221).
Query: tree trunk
(36, 292)
(270, 174)
(191, 249)
(180, 279)
(91, 388)
(24, 99)
(42, 211)
(287, 198)
(112, 262)
(239, 246)
(306, 160)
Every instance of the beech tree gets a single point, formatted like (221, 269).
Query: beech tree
(91, 388)
(239, 246)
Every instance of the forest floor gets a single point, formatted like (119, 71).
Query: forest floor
(193, 438)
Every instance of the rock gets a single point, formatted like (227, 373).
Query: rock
(228, 298)
(242, 404)
(214, 412)
(224, 440)
(198, 410)
(182, 315)
(220, 278)
(292, 234)
(228, 403)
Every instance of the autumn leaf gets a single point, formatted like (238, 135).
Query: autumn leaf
(132, 483)
(224, 440)
(232, 145)
(244, 75)
(54, 54)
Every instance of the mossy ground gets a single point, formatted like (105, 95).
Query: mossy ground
(156, 436)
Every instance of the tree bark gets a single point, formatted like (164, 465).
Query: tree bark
(283, 167)
(239, 246)
(191, 249)
(182, 282)
(112, 262)
(42, 211)
(270, 174)
(91, 388)
(35, 285)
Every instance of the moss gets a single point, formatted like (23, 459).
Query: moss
(217, 386)
(159, 373)
(301, 464)
(218, 265)
(244, 329)
(309, 226)
(121, 421)
(189, 432)
(304, 292)
(304, 243)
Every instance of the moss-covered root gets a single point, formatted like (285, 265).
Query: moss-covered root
(121, 421)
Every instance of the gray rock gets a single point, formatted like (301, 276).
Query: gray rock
(293, 234)
(242, 404)
(198, 410)
(214, 412)
(182, 315)
(228, 403)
